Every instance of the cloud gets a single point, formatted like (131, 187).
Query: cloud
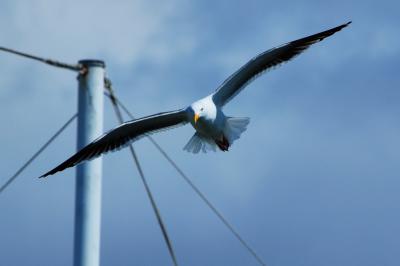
(124, 31)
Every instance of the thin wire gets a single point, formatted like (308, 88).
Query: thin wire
(210, 205)
(197, 190)
(118, 113)
(19, 171)
(51, 62)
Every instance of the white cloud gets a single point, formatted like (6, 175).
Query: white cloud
(124, 31)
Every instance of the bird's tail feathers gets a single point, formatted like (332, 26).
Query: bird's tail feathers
(234, 127)
(199, 143)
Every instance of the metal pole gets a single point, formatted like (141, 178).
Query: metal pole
(88, 175)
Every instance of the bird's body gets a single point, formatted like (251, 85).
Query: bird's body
(209, 125)
(212, 127)
(211, 119)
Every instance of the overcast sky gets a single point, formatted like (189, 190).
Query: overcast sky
(313, 181)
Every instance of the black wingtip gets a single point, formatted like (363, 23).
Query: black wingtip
(343, 25)
(44, 175)
(53, 171)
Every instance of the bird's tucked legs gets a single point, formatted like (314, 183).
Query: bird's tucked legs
(223, 143)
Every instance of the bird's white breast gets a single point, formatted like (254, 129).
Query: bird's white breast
(212, 120)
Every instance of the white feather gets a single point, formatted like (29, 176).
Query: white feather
(234, 127)
(199, 143)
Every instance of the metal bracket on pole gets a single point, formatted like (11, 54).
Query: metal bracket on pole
(88, 175)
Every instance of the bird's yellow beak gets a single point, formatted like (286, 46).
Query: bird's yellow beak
(196, 117)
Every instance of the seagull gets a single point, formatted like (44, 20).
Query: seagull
(213, 128)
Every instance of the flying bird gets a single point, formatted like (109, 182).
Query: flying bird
(213, 128)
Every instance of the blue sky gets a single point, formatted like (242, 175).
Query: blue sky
(313, 181)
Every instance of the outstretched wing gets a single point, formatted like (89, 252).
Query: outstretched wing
(264, 61)
(123, 135)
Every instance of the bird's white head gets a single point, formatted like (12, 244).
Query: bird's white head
(203, 109)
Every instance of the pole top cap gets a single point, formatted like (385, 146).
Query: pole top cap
(92, 62)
